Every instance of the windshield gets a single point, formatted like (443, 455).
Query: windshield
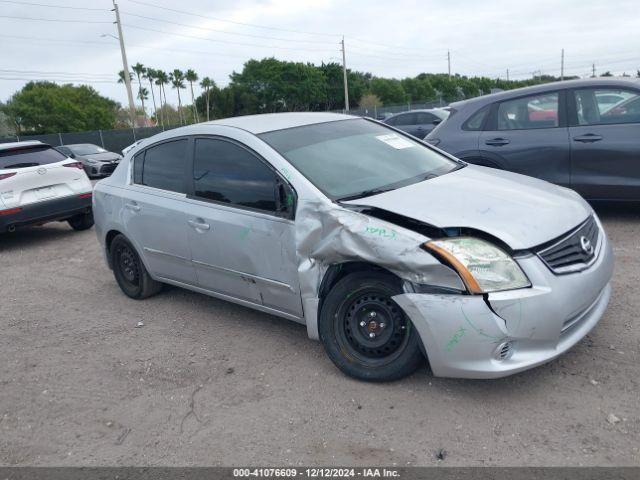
(356, 158)
(86, 149)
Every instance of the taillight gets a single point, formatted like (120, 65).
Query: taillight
(6, 175)
(85, 195)
(10, 211)
(73, 165)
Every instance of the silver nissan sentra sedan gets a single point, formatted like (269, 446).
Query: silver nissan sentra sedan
(386, 248)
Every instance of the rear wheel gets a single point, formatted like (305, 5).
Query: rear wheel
(82, 221)
(365, 333)
(130, 273)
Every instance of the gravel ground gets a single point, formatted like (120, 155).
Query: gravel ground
(205, 382)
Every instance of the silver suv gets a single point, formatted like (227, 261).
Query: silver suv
(385, 248)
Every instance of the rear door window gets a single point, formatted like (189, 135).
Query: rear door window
(162, 166)
(536, 111)
(607, 106)
(426, 118)
(226, 172)
(30, 157)
(406, 119)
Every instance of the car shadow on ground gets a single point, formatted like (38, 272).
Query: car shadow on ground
(42, 235)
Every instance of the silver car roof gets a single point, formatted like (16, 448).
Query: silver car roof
(268, 122)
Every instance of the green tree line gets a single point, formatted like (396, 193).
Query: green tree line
(262, 86)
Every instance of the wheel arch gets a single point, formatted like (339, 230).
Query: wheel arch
(337, 271)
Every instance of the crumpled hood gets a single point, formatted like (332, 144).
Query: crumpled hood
(521, 211)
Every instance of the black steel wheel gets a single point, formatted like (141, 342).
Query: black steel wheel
(130, 273)
(365, 333)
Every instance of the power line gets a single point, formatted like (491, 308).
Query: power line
(155, 5)
(40, 72)
(220, 41)
(225, 32)
(54, 6)
(53, 19)
(62, 80)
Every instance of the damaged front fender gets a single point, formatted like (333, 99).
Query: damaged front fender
(327, 234)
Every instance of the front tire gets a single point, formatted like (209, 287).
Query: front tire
(82, 221)
(130, 272)
(365, 333)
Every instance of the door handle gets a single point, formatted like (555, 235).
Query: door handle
(497, 142)
(198, 225)
(587, 138)
(132, 206)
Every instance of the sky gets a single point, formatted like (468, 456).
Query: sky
(73, 40)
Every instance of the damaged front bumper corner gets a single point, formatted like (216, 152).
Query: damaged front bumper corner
(470, 336)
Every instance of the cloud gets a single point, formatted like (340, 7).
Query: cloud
(396, 39)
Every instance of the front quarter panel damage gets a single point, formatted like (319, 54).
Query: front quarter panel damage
(327, 234)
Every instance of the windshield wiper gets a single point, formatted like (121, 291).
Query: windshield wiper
(366, 193)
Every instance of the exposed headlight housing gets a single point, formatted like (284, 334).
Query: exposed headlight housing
(482, 266)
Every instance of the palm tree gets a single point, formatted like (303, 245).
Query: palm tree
(139, 70)
(177, 81)
(150, 75)
(161, 80)
(121, 76)
(207, 84)
(191, 76)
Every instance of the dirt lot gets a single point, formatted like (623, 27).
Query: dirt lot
(205, 382)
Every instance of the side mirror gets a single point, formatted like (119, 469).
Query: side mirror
(285, 200)
(437, 122)
(72, 155)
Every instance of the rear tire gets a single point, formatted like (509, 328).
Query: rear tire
(82, 221)
(130, 272)
(365, 333)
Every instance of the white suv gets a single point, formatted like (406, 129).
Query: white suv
(38, 184)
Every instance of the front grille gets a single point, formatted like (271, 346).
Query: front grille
(574, 251)
(108, 169)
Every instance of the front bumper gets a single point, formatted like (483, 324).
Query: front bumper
(47, 211)
(464, 334)
(102, 169)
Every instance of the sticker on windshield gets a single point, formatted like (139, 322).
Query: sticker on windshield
(395, 141)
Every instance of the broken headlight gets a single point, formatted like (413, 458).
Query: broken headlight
(482, 266)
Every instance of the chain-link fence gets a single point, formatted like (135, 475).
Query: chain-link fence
(116, 140)
(112, 140)
(381, 113)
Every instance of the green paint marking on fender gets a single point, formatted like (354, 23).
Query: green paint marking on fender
(381, 232)
(244, 233)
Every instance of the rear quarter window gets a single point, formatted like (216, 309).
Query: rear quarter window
(30, 157)
(476, 121)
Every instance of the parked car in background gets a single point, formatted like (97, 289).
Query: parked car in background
(97, 161)
(38, 184)
(418, 122)
(581, 134)
(383, 246)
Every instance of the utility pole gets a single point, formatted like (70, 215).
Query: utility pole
(449, 63)
(125, 66)
(593, 70)
(562, 65)
(507, 74)
(344, 76)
